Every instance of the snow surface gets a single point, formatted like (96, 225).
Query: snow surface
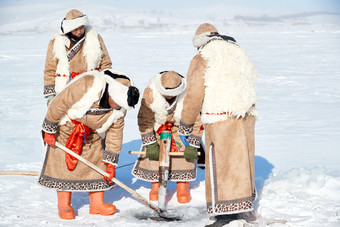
(297, 55)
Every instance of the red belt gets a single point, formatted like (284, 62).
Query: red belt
(75, 143)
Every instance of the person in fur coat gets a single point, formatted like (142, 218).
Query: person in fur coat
(160, 109)
(77, 48)
(87, 116)
(222, 86)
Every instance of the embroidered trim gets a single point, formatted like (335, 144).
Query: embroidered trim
(97, 111)
(111, 157)
(49, 90)
(224, 113)
(49, 127)
(185, 129)
(75, 49)
(73, 185)
(174, 175)
(148, 138)
(232, 206)
(194, 141)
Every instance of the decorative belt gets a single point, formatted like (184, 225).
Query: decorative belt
(223, 113)
(72, 75)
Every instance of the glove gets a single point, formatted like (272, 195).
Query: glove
(184, 140)
(49, 139)
(190, 153)
(152, 151)
(110, 169)
(49, 99)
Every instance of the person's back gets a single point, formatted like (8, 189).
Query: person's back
(221, 85)
(231, 75)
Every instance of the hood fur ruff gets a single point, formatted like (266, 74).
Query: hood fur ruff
(230, 82)
(79, 109)
(92, 52)
(118, 91)
(160, 105)
(169, 92)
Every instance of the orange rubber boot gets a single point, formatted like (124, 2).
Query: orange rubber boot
(153, 196)
(183, 193)
(97, 205)
(65, 211)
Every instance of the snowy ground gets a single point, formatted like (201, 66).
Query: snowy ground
(297, 132)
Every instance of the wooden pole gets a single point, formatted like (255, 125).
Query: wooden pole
(164, 164)
(27, 173)
(96, 168)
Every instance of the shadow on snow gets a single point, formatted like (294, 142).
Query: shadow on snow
(263, 170)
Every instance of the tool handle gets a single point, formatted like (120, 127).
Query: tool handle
(102, 172)
(170, 153)
(29, 173)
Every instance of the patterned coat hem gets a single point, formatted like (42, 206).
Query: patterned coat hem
(153, 176)
(232, 206)
(74, 185)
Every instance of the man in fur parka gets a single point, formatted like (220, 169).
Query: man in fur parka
(222, 86)
(160, 109)
(87, 116)
(77, 48)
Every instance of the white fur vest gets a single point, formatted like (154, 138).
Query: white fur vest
(92, 52)
(230, 82)
(160, 106)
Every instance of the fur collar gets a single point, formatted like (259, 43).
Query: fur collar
(160, 106)
(92, 51)
(79, 109)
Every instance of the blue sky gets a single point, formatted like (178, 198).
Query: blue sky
(288, 5)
